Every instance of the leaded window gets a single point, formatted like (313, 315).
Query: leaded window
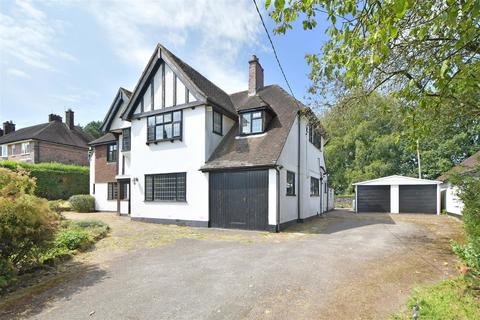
(112, 193)
(166, 187)
(126, 139)
(165, 126)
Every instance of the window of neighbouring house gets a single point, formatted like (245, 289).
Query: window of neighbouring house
(126, 139)
(4, 151)
(112, 193)
(112, 152)
(166, 126)
(166, 187)
(251, 122)
(314, 187)
(14, 149)
(25, 147)
(217, 122)
(290, 183)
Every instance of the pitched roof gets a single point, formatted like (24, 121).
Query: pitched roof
(210, 92)
(55, 131)
(261, 150)
(105, 139)
(122, 94)
(467, 165)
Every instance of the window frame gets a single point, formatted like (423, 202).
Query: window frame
(314, 137)
(126, 146)
(112, 191)
(112, 155)
(182, 198)
(4, 150)
(172, 122)
(27, 148)
(291, 190)
(221, 122)
(251, 112)
(314, 192)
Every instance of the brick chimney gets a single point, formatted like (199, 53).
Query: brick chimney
(8, 127)
(69, 119)
(255, 76)
(53, 117)
(1, 132)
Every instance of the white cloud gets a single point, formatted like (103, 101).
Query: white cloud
(27, 36)
(18, 73)
(208, 34)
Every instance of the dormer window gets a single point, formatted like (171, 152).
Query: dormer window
(252, 122)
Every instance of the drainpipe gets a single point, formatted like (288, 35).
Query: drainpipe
(298, 171)
(277, 229)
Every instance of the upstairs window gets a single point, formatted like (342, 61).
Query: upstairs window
(217, 123)
(290, 183)
(314, 136)
(166, 126)
(126, 139)
(314, 187)
(112, 152)
(252, 122)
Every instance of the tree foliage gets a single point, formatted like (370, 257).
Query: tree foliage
(426, 52)
(93, 129)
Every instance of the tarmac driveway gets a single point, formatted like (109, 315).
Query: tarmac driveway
(343, 266)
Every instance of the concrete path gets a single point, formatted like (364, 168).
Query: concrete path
(344, 266)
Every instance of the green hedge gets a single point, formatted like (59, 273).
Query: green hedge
(55, 180)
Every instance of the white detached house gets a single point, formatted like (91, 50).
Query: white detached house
(178, 149)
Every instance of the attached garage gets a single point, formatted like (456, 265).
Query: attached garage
(239, 199)
(398, 194)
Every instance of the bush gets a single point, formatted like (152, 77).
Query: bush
(54, 180)
(59, 206)
(82, 203)
(73, 239)
(26, 223)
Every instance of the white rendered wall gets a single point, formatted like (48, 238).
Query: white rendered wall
(118, 123)
(310, 161)
(101, 202)
(272, 197)
(213, 139)
(453, 204)
(92, 171)
(123, 171)
(187, 156)
(394, 199)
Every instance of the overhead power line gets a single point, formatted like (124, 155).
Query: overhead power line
(274, 50)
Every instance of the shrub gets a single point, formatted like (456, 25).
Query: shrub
(97, 229)
(73, 239)
(54, 180)
(26, 226)
(15, 183)
(82, 203)
(59, 206)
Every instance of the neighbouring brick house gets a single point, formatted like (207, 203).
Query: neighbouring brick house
(53, 141)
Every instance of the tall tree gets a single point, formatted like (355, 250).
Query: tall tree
(93, 128)
(427, 52)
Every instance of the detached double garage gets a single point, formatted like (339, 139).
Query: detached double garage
(398, 194)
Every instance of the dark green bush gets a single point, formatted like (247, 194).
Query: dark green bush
(54, 180)
(82, 203)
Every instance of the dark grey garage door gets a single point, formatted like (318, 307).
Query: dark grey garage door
(373, 198)
(418, 199)
(239, 199)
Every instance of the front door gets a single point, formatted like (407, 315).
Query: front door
(124, 196)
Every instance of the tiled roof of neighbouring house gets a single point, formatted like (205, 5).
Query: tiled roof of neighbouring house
(467, 165)
(105, 139)
(54, 131)
(264, 149)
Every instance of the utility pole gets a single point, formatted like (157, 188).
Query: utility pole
(418, 158)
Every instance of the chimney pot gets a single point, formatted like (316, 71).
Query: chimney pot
(8, 127)
(70, 119)
(255, 76)
(54, 117)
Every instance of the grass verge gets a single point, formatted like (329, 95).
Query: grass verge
(457, 298)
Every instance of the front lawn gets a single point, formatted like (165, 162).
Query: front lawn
(457, 298)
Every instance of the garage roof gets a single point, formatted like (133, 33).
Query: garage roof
(396, 180)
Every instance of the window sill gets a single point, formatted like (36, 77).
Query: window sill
(112, 162)
(163, 140)
(218, 133)
(291, 195)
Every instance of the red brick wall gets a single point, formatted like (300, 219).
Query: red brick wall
(104, 171)
(51, 152)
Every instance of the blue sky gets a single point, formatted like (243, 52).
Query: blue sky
(56, 55)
